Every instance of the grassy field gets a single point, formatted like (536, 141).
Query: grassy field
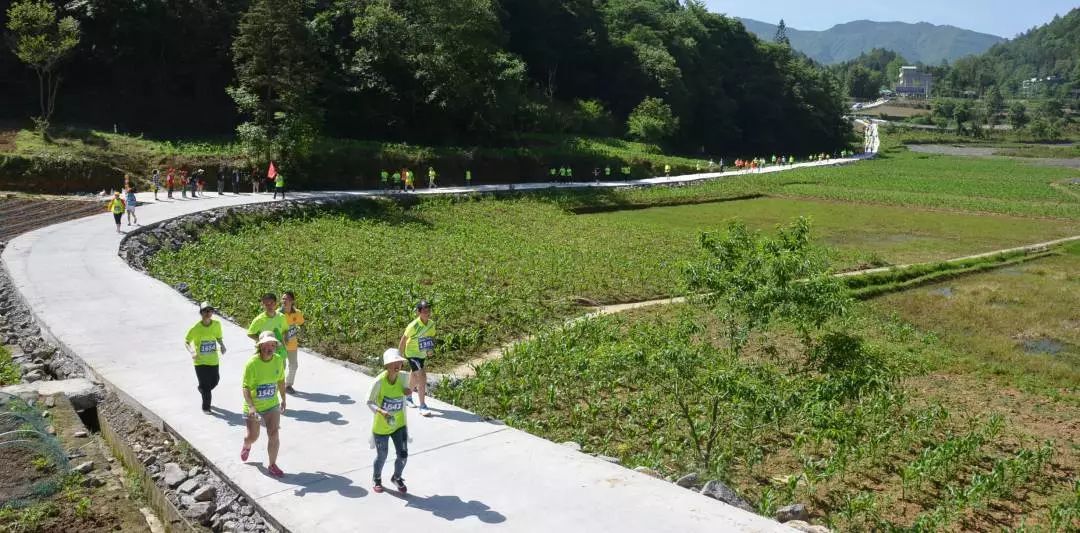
(493, 276)
(882, 435)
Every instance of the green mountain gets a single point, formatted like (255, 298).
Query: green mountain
(923, 42)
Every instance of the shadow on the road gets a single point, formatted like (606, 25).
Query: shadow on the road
(317, 483)
(319, 397)
(451, 507)
(315, 417)
(456, 415)
(230, 417)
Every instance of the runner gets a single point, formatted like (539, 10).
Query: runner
(418, 343)
(236, 181)
(398, 180)
(386, 399)
(279, 185)
(626, 172)
(410, 183)
(384, 180)
(183, 183)
(607, 172)
(170, 182)
(263, 383)
(129, 199)
(203, 342)
(269, 320)
(431, 178)
(667, 170)
(294, 318)
(551, 173)
(116, 206)
(155, 182)
(222, 175)
(468, 178)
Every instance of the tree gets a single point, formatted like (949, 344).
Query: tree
(751, 281)
(1018, 117)
(652, 121)
(962, 114)
(943, 110)
(781, 34)
(277, 74)
(41, 41)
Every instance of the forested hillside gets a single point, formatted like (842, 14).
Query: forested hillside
(438, 72)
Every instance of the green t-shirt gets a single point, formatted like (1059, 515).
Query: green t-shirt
(262, 378)
(205, 340)
(421, 338)
(277, 324)
(279, 180)
(384, 175)
(390, 397)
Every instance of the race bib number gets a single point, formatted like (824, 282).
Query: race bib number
(393, 405)
(207, 346)
(266, 391)
(426, 343)
(291, 333)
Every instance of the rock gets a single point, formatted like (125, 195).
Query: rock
(93, 482)
(182, 287)
(187, 500)
(688, 481)
(79, 433)
(46, 414)
(572, 445)
(32, 367)
(84, 468)
(136, 448)
(50, 402)
(231, 526)
(800, 525)
(82, 392)
(205, 494)
(194, 471)
(247, 510)
(648, 471)
(149, 460)
(719, 491)
(174, 475)
(609, 459)
(36, 375)
(188, 486)
(50, 430)
(792, 512)
(200, 512)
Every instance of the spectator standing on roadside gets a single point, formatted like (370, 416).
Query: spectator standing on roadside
(130, 201)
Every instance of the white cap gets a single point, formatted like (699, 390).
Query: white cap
(391, 355)
(265, 337)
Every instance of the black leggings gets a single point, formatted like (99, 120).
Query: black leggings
(208, 376)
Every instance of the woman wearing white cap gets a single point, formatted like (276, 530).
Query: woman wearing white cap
(203, 342)
(387, 400)
(264, 397)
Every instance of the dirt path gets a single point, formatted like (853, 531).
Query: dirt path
(468, 368)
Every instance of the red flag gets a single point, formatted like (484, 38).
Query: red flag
(272, 172)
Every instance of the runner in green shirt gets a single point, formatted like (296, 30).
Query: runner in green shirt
(203, 342)
(384, 178)
(279, 185)
(418, 343)
(263, 388)
(386, 398)
(269, 320)
(468, 177)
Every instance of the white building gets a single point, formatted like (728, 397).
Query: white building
(914, 84)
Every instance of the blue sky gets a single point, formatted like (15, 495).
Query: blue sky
(998, 17)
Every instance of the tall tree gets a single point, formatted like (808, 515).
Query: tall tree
(277, 74)
(41, 41)
(781, 34)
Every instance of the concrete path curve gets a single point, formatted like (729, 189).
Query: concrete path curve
(466, 474)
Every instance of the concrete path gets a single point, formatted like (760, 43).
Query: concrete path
(465, 474)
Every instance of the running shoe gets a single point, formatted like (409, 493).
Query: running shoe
(400, 484)
(408, 399)
(424, 411)
(244, 453)
(377, 488)
(275, 471)
(207, 412)
(289, 389)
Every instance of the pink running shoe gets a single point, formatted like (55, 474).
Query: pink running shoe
(275, 471)
(244, 453)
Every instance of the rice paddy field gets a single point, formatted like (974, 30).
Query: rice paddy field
(954, 406)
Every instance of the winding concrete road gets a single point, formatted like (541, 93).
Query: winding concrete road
(465, 474)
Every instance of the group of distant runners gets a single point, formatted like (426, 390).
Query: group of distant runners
(270, 373)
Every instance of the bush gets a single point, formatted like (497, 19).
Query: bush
(652, 121)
